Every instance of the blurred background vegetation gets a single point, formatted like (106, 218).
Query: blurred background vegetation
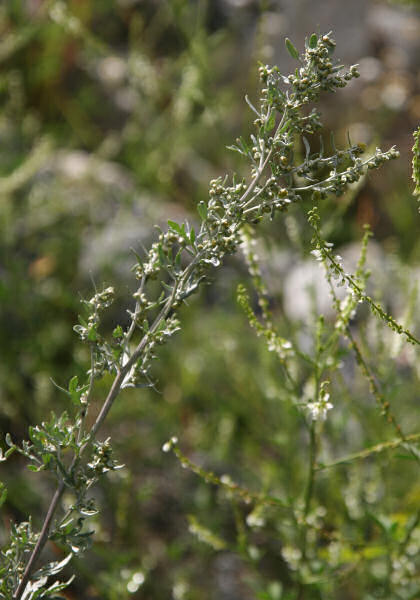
(114, 115)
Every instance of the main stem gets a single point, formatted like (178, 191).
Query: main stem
(308, 496)
(115, 390)
(113, 393)
(42, 540)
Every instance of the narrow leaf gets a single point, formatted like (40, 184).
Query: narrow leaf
(161, 254)
(9, 452)
(285, 126)
(235, 149)
(174, 226)
(202, 210)
(251, 106)
(59, 386)
(53, 568)
(291, 49)
(73, 385)
(243, 144)
(118, 332)
(271, 121)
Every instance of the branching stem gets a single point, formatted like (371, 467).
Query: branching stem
(115, 390)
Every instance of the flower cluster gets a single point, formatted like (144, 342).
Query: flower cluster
(102, 459)
(354, 283)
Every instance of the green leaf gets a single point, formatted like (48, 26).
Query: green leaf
(291, 49)
(35, 469)
(285, 126)
(269, 126)
(161, 325)
(243, 144)
(9, 452)
(92, 335)
(313, 40)
(192, 236)
(73, 385)
(53, 568)
(46, 458)
(82, 321)
(161, 254)
(202, 210)
(174, 226)
(235, 149)
(118, 332)
(167, 287)
(251, 106)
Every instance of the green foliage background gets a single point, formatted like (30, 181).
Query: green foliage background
(113, 117)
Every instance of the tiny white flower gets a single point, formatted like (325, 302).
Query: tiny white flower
(319, 408)
(226, 479)
(255, 520)
(167, 446)
(317, 253)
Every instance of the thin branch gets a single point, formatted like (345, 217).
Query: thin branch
(367, 452)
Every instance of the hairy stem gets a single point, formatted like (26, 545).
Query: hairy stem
(116, 388)
(42, 540)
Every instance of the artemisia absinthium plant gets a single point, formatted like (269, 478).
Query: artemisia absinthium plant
(182, 258)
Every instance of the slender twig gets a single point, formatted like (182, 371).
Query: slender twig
(132, 327)
(261, 168)
(367, 452)
(311, 479)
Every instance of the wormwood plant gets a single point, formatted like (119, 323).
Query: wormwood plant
(174, 268)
